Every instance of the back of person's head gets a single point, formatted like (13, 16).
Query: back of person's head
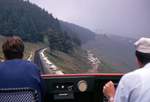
(13, 48)
(143, 50)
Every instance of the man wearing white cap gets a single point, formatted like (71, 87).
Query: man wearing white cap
(133, 86)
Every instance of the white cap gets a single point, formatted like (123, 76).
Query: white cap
(143, 45)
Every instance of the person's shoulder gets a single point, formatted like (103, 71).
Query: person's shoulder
(1, 64)
(127, 84)
(132, 74)
(132, 77)
(5, 62)
(29, 64)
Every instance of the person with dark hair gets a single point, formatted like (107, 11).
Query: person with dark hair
(13, 48)
(16, 72)
(133, 86)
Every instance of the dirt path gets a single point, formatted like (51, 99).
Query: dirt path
(95, 62)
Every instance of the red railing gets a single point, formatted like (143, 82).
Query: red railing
(75, 75)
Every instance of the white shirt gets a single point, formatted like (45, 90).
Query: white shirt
(134, 86)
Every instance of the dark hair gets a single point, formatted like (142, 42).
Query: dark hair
(13, 48)
(144, 58)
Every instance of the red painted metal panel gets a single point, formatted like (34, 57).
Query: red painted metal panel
(76, 75)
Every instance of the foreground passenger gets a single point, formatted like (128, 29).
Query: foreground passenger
(133, 86)
(16, 72)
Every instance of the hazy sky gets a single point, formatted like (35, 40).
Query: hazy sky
(123, 17)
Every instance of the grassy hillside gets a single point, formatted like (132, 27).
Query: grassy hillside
(31, 48)
(75, 63)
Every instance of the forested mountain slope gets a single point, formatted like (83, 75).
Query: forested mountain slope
(31, 23)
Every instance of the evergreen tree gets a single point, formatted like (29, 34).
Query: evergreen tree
(31, 23)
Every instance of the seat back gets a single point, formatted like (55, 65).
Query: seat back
(18, 95)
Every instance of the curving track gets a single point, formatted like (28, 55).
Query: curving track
(37, 60)
(45, 65)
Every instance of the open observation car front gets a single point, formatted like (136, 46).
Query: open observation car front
(77, 87)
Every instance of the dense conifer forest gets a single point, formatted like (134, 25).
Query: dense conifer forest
(31, 23)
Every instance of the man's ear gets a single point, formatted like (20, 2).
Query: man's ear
(139, 63)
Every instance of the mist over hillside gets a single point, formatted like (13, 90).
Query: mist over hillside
(74, 30)
(116, 50)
